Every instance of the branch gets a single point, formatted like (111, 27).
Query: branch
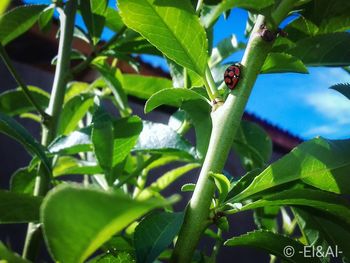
(45, 117)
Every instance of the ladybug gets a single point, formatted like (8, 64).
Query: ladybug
(232, 75)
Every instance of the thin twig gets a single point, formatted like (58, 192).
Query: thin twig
(21, 83)
(83, 65)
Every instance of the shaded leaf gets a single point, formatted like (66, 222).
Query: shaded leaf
(67, 165)
(222, 184)
(253, 145)
(144, 87)
(343, 88)
(213, 12)
(73, 112)
(102, 137)
(13, 129)
(23, 181)
(324, 231)
(93, 13)
(324, 201)
(224, 49)
(273, 244)
(114, 80)
(18, 208)
(174, 97)
(165, 180)
(14, 102)
(9, 256)
(324, 50)
(282, 62)
(17, 21)
(155, 233)
(113, 19)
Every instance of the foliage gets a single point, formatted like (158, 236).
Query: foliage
(118, 208)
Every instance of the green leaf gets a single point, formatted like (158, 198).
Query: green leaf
(165, 180)
(322, 17)
(102, 137)
(323, 231)
(75, 142)
(23, 181)
(320, 163)
(329, 50)
(17, 21)
(144, 87)
(177, 75)
(113, 19)
(312, 231)
(126, 135)
(93, 13)
(224, 49)
(155, 233)
(282, 62)
(114, 79)
(200, 118)
(13, 129)
(253, 145)
(242, 183)
(97, 216)
(76, 88)
(18, 208)
(121, 257)
(175, 97)
(179, 36)
(195, 105)
(8, 256)
(133, 43)
(14, 102)
(272, 243)
(222, 184)
(188, 187)
(126, 132)
(343, 88)
(324, 201)
(74, 55)
(266, 218)
(3, 5)
(160, 138)
(73, 111)
(213, 12)
(67, 165)
(45, 17)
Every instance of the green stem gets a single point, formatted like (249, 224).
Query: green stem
(226, 120)
(216, 247)
(42, 184)
(210, 85)
(20, 83)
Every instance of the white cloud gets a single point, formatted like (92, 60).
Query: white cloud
(321, 131)
(331, 105)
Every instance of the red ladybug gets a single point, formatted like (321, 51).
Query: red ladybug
(232, 75)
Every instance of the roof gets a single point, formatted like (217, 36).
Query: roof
(37, 49)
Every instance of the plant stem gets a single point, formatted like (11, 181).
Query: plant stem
(42, 184)
(210, 85)
(20, 83)
(226, 120)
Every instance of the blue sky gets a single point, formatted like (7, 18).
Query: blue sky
(303, 104)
